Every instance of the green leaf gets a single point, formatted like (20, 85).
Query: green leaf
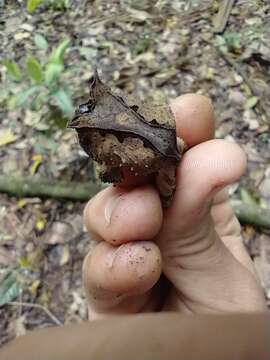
(52, 72)
(142, 45)
(33, 4)
(34, 70)
(39, 100)
(63, 101)
(251, 102)
(58, 4)
(13, 70)
(41, 42)
(9, 288)
(21, 97)
(59, 52)
(4, 95)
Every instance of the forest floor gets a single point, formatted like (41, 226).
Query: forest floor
(159, 49)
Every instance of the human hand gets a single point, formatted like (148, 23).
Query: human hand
(196, 243)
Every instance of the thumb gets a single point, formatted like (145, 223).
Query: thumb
(205, 274)
(203, 171)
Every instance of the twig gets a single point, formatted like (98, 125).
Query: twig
(37, 306)
(222, 16)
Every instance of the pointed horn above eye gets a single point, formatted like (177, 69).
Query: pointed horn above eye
(97, 87)
(96, 76)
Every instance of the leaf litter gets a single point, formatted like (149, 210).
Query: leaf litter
(161, 48)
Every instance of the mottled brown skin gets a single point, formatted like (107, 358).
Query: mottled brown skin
(131, 142)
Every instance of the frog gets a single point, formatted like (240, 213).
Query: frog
(132, 142)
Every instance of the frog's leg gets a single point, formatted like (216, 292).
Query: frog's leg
(166, 183)
(109, 174)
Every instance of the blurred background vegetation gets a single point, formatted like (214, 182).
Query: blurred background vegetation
(158, 49)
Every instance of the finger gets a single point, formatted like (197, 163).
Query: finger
(194, 118)
(203, 170)
(119, 215)
(120, 277)
(204, 272)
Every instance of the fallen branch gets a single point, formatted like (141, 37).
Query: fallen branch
(26, 187)
(251, 214)
(222, 16)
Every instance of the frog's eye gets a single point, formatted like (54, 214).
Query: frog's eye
(83, 108)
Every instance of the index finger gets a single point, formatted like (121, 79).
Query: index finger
(194, 117)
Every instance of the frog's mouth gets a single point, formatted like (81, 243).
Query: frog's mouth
(84, 131)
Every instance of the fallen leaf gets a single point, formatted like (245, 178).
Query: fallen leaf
(251, 102)
(65, 255)
(24, 263)
(210, 75)
(249, 117)
(21, 35)
(36, 162)
(27, 27)
(34, 287)
(138, 15)
(40, 224)
(21, 203)
(7, 137)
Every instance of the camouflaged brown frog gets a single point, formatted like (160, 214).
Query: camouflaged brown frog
(132, 142)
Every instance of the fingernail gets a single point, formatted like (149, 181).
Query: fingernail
(112, 255)
(111, 206)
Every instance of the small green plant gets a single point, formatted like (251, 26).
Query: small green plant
(229, 42)
(32, 5)
(142, 44)
(41, 84)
